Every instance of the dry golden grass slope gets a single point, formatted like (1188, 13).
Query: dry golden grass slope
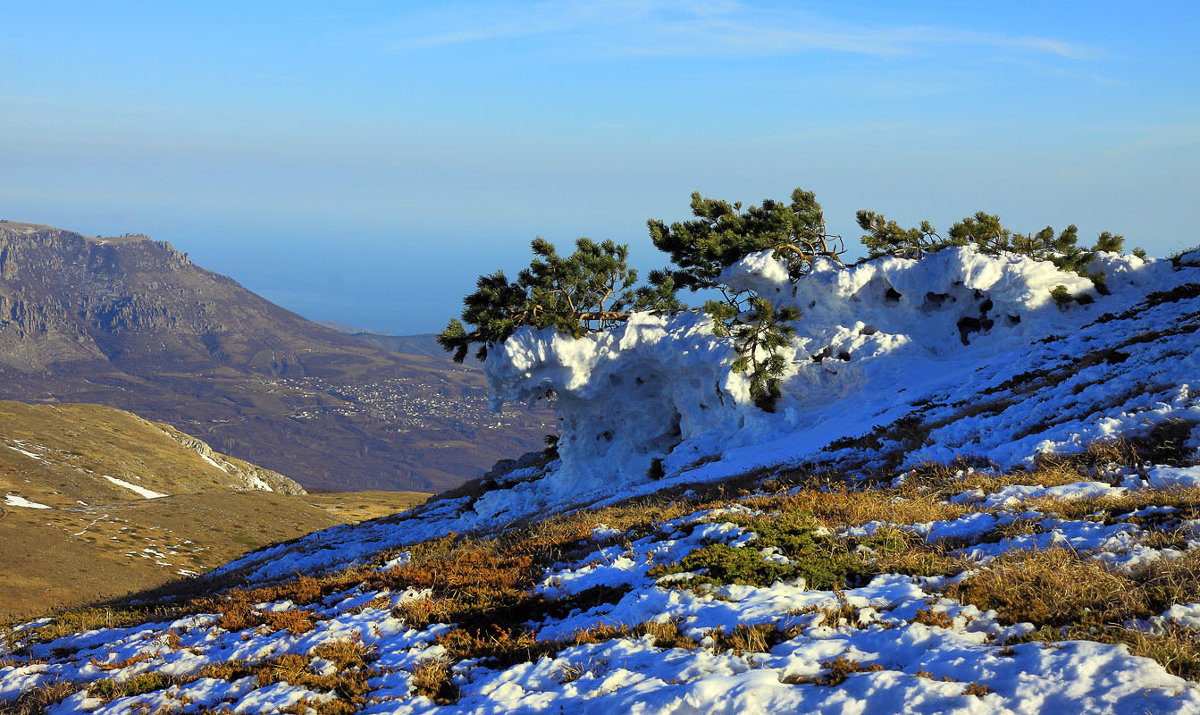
(79, 521)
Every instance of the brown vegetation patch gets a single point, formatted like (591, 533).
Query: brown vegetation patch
(1055, 587)
(1065, 596)
(930, 617)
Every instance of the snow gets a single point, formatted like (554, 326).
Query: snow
(1187, 616)
(1040, 378)
(140, 491)
(20, 501)
(211, 461)
(1173, 477)
(25, 452)
(888, 335)
(660, 387)
(930, 667)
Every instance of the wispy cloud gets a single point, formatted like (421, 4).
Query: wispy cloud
(702, 28)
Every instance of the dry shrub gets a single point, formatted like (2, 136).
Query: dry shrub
(348, 684)
(1165, 444)
(1058, 587)
(1055, 587)
(76, 621)
(1013, 529)
(1186, 500)
(1068, 597)
(131, 660)
(1104, 452)
(431, 679)
(902, 551)
(745, 639)
(501, 647)
(930, 617)
(842, 506)
(110, 690)
(238, 616)
(922, 673)
(843, 614)
(665, 634)
(841, 667)
(941, 481)
(294, 620)
(36, 700)
(417, 612)
(1163, 583)
(977, 689)
(1177, 649)
(478, 565)
(345, 654)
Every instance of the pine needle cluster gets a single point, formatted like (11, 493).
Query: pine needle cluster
(593, 289)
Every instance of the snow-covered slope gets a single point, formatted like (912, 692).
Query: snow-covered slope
(959, 357)
(897, 383)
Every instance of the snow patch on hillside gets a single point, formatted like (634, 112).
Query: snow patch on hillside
(20, 501)
(140, 491)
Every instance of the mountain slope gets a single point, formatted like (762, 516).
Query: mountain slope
(99, 503)
(999, 519)
(133, 323)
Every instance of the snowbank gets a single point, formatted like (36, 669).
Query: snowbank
(875, 341)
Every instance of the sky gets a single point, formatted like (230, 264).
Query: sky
(364, 162)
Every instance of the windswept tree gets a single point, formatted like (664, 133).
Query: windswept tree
(592, 289)
(721, 234)
(888, 238)
(988, 235)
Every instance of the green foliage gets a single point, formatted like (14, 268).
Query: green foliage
(823, 562)
(593, 289)
(887, 238)
(759, 335)
(721, 234)
(721, 564)
(987, 234)
(140, 684)
(590, 290)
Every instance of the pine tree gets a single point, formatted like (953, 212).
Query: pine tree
(887, 238)
(988, 235)
(721, 234)
(591, 290)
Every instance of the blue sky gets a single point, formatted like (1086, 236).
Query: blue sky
(364, 163)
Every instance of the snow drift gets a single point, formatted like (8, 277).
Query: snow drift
(875, 342)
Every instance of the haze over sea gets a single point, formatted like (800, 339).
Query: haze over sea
(364, 165)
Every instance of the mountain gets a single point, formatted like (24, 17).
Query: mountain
(978, 493)
(99, 503)
(133, 323)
